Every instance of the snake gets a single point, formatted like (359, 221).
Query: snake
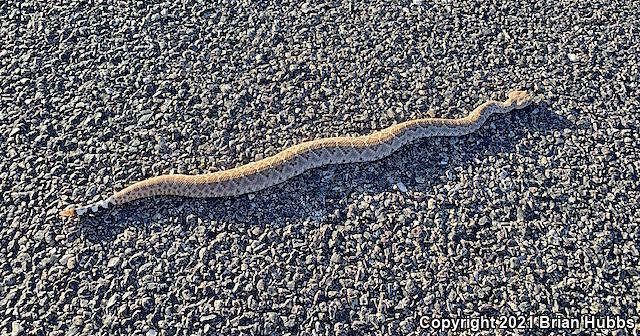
(299, 158)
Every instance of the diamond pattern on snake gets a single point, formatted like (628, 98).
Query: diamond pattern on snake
(299, 158)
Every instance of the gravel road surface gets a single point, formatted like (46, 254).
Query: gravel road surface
(535, 214)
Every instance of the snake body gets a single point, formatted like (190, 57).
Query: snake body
(299, 158)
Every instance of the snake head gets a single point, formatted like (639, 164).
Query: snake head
(519, 99)
(69, 212)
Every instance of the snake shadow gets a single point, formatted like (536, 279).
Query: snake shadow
(314, 197)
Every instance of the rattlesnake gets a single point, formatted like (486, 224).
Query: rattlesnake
(297, 159)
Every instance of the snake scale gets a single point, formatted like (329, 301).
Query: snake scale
(299, 158)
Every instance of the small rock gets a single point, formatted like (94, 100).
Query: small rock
(113, 262)
(335, 258)
(64, 259)
(72, 262)
(113, 300)
(144, 118)
(16, 328)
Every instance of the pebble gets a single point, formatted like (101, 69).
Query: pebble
(72, 262)
(16, 328)
(113, 262)
(573, 57)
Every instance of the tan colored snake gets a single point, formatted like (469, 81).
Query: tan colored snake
(297, 159)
